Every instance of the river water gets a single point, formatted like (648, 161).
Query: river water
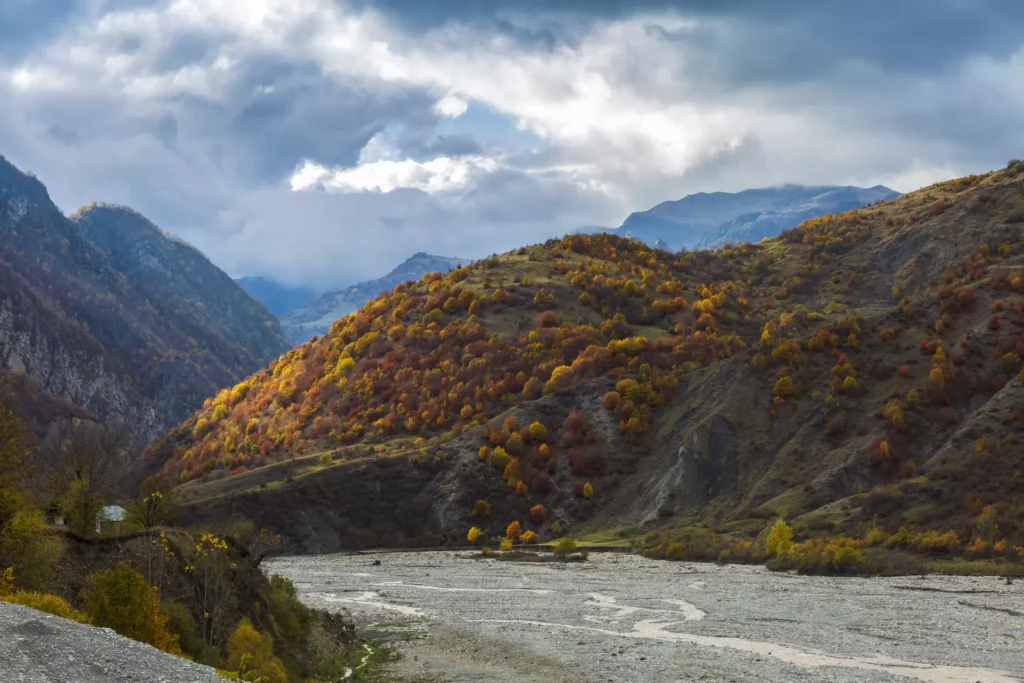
(625, 618)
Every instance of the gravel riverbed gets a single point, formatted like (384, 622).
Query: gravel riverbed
(621, 617)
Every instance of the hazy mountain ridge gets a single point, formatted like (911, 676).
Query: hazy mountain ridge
(279, 298)
(710, 219)
(108, 312)
(316, 317)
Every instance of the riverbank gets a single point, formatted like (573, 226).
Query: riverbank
(620, 617)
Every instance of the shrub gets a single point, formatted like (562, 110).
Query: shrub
(121, 599)
(182, 625)
(538, 514)
(538, 432)
(499, 459)
(45, 602)
(780, 540)
(514, 444)
(588, 491)
(30, 549)
(474, 535)
(249, 652)
(481, 508)
(514, 530)
(528, 537)
(835, 427)
(565, 547)
(783, 388)
(611, 400)
(505, 544)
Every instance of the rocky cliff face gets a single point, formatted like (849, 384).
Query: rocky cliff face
(108, 312)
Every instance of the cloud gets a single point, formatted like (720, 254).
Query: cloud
(451, 106)
(442, 174)
(322, 140)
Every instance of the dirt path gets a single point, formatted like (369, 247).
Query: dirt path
(625, 618)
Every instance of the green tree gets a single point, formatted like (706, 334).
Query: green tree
(122, 600)
(80, 506)
(15, 446)
(30, 548)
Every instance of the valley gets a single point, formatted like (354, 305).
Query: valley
(379, 341)
(620, 617)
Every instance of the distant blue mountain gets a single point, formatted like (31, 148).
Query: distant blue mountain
(315, 317)
(276, 297)
(710, 219)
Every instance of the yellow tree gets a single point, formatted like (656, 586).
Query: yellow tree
(251, 654)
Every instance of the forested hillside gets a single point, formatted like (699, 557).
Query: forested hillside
(860, 373)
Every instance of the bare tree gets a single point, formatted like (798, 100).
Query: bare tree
(96, 453)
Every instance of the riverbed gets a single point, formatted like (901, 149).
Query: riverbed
(620, 617)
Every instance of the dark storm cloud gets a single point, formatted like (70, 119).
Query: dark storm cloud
(287, 113)
(769, 39)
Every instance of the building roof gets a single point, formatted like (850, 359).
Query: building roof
(113, 513)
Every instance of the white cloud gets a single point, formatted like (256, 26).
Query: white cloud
(451, 106)
(443, 174)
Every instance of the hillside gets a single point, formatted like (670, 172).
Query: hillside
(316, 317)
(107, 312)
(277, 297)
(711, 219)
(860, 373)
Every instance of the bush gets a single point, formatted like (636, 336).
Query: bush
(538, 514)
(181, 624)
(80, 506)
(30, 548)
(565, 547)
(252, 655)
(474, 535)
(481, 508)
(780, 540)
(45, 602)
(528, 537)
(121, 599)
(538, 432)
(514, 530)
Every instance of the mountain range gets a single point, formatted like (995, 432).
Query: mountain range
(706, 220)
(103, 311)
(859, 375)
(316, 316)
(279, 298)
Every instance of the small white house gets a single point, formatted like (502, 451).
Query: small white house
(110, 516)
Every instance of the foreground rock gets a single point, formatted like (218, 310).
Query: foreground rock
(41, 648)
(626, 618)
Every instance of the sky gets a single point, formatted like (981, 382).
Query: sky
(321, 142)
